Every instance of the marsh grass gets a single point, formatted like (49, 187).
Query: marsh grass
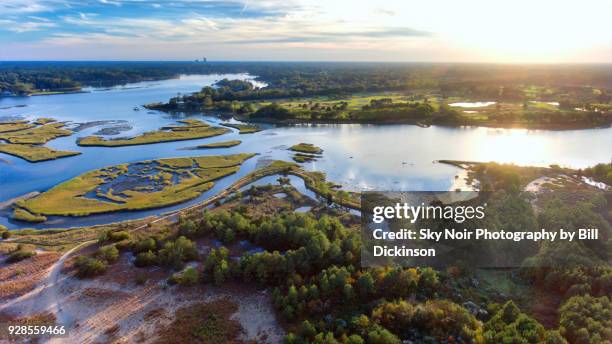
(198, 176)
(306, 148)
(34, 153)
(222, 144)
(243, 128)
(25, 140)
(192, 129)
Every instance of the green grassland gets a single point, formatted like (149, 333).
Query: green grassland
(198, 174)
(306, 148)
(192, 129)
(354, 102)
(26, 139)
(243, 128)
(222, 144)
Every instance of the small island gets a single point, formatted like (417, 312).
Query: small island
(243, 128)
(192, 129)
(26, 140)
(131, 186)
(222, 144)
(306, 152)
(307, 148)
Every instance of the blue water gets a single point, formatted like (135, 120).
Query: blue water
(359, 157)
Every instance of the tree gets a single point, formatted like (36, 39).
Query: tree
(586, 319)
(510, 325)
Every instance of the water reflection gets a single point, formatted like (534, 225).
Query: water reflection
(359, 157)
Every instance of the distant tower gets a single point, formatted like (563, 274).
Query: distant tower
(203, 59)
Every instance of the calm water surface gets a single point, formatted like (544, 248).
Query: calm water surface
(360, 157)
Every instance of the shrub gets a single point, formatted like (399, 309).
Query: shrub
(108, 253)
(147, 258)
(141, 279)
(175, 253)
(4, 232)
(119, 236)
(20, 254)
(188, 277)
(144, 245)
(90, 267)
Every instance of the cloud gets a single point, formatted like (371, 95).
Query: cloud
(296, 27)
(401, 32)
(27, 26)
(384, 11)
(109, 2)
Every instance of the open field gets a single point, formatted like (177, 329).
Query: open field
(192, 129)
(143, 185)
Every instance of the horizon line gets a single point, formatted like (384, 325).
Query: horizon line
(322, 61)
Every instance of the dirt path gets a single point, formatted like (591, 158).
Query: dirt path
(45, 296)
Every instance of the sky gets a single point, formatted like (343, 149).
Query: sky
(498, 31)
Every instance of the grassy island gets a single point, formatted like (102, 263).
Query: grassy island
(135, 186)
(33, 153)
(223, 144)
(24, 215)
(307, 148)
(300, 157)
(192, 129)
(26, 139)
(35, 133)
(243, 128)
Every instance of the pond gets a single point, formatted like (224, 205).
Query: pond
(359, 157)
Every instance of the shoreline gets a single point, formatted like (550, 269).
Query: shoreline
(547, 127)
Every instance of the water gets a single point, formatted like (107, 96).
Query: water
(472, 104)
(359, 157)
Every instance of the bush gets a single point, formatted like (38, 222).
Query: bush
(4, 232)
(176, 252)
(147, 258)
(20, 254)
(90, 267)
(188, 277)
(119, 236)
(144, 245)
(108, 253)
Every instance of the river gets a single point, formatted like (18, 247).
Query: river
(359, 157)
